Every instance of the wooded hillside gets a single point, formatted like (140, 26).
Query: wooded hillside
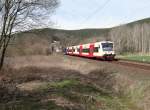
(133, 37)
(130, 38)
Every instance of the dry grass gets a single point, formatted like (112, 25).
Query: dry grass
(29, 45)
(51, 61)
(62, 80)
(30, 73)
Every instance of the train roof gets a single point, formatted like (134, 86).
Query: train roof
(106, 42)
(93, 43)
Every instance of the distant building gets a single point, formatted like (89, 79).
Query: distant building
(55, 47)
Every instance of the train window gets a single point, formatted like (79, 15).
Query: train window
(70, 50)
(107, 46)
(73, 50)
(78, 50)
(85, 50)
(96, 49)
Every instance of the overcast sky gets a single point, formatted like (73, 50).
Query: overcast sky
(78, 14)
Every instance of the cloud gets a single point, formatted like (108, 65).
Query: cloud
(72, 13)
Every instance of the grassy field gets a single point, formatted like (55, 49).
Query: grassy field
(35, 83)
(141, 58)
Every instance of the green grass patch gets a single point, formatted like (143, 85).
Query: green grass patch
(117, 103)
(141, 58)
(80, 93)
(30, 104)
(90, 96)
(75, 91)
(64, 83)
(71, 85)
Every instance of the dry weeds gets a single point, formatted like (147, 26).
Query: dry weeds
(32, 72)
(50, 62)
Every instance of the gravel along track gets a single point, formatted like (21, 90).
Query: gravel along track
(132, 70)
(139, 65)
(119, 62)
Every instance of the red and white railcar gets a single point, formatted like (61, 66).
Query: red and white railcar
(102, 50)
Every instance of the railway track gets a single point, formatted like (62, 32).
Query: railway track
(139, 65)
(123, 62)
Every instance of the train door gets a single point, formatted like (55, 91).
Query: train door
(80, 51)
(72, 50)
(91, 50)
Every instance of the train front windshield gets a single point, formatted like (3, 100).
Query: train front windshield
(107, 46)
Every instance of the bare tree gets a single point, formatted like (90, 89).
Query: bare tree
(132, 38)
(21, 13)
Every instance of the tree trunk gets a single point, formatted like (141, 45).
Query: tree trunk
(2, 58)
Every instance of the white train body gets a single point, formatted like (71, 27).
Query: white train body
(103, 49)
